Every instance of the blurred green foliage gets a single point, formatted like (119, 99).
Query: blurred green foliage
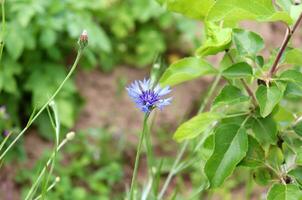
(91, 167)
(40, 41)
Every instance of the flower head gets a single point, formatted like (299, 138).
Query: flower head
(83, 40)
(146, 97)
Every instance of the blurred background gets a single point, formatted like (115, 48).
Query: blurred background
(125, 37)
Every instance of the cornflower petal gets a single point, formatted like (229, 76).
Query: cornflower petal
(147, 98)
(164, 91)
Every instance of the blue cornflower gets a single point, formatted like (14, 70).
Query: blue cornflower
(146, 97)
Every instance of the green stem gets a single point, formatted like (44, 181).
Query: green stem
(185, 144)
(3, 28)
(172, 171)
(150, 156)
(45, 105)
(33, 187)
(210, 93)
(138, 152)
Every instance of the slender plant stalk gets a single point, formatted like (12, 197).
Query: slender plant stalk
(288, 35)
(79, 54)
(138, 152)
(49, 188)
(246, 87)
(249, 91)
(3, 28)
(30, 193)
(186, 143)
(210, 93)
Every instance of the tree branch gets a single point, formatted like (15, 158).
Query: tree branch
(287, 37)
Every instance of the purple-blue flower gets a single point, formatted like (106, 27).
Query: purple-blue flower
(147, 97)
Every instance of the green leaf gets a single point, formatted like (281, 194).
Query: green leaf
(293, 76)
(231, 145)
(268, 98)
(284, 4)
(275, 156)
(247, 42)
(189, 8)
(295, 11)
(265, 129)
(186, 69)
(217, 39)
(255, 156)
(14, 42)
(293, 56)
(234, 11)
(283, 116)
(284, 192)
(297, 174)
(229, 95)
(298, 128)
(262, 176)
(195, 126)
(238, 70)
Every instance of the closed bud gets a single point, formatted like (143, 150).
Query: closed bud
(83, 40)
(70, 135)
(58, 179)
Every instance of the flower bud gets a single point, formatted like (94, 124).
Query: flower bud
(57, 179)
(83, 40)
(70, 135)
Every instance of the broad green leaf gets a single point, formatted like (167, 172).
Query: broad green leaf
(195, 126)
(229, 95)
(275, 156)
(262, 176)
(268, 98)
(292, 76)
(265, 129)
(247, 42)
(293, 56)
(217, 39)
(231, 145)
(295, 11)
(293, 90)
(234, 11)
(284, 192)
(189, 8)
(255, 155)
(284, 4)
(14, 42)
(297, 174)
(186, 69)
(283, 116)
(298, 128)
(238, 70)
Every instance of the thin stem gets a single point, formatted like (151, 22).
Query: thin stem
(48, 189)
(246, 87)
(185, 144)
(210, 93)
(287, 37)
(150, 156)
(138, 152)
(249, 91)
(45, 105)
(44, 168)
(3, 29)
(172, 171)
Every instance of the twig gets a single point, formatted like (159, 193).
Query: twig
(288, 35)
(249, 91)
(246, 87)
